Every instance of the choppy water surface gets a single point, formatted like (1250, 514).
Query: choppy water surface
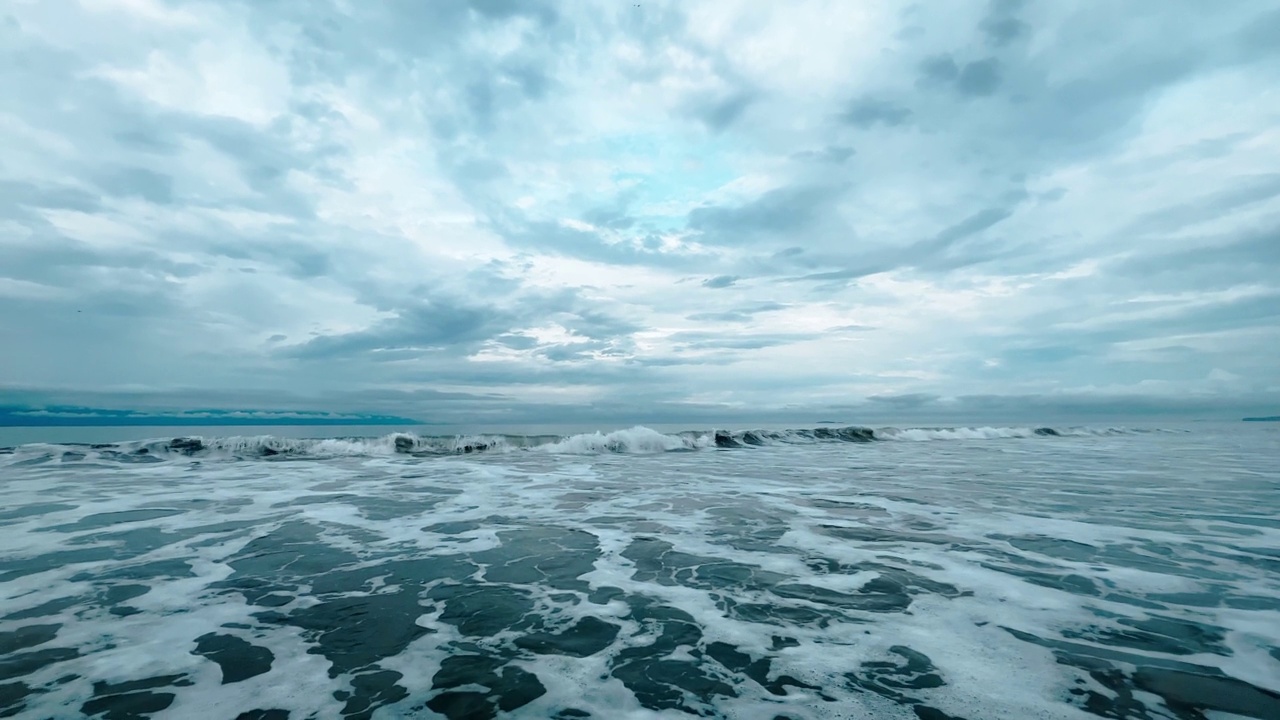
(933, 575)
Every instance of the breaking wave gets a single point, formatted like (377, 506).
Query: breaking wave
(638, 439)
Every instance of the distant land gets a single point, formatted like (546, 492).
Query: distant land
(74, 416)
(1269, 418)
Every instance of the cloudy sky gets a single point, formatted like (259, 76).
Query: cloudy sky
(520, 209)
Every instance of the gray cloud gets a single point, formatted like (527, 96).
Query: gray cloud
(740, 314)
(428, 326)
(706, 340)
(1212, 262)
(830, 154)
(948, 249)
(138, 182)
(1250, 190)
(719, 113)
(1037, 209)
(908, 400)
(1001, 25)
(980, 77)
(976, 79)
(21, 198)
(939, 70)
(720, 281)
(867, 112)
(786, 210)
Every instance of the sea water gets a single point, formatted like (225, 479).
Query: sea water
(832, 572)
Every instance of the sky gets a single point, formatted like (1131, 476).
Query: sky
(522, 210)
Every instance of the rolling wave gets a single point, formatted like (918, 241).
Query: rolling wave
(638, 439)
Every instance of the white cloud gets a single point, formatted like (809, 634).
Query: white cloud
(235, 80)
(150, 11)
(889, 201)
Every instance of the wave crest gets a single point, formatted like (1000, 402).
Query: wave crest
(637, 440)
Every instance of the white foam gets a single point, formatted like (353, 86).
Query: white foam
(978, 433)
(946, 507)
(638, 439)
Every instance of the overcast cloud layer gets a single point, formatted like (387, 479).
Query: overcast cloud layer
(522, 210)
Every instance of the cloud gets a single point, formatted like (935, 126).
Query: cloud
(909, 400)
(975, 79)
(719, 113)
(739, 314)
(868, 112)
(522, 211)
(427, 326)
(836, 154)
(789, 209)
(1002, 26)
(720, 281)
(138, 183)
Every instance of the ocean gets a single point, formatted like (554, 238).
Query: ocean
(821, 572)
